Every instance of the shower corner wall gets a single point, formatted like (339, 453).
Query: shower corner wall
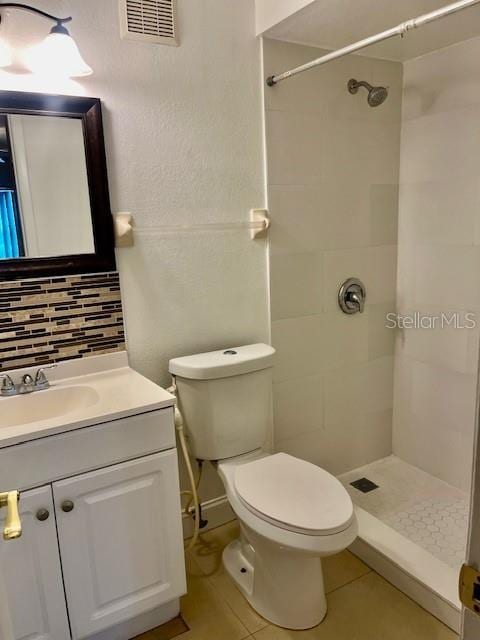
(333, 170)
(349, 189)
(438, 264)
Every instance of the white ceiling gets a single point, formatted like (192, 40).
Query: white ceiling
(332, 24)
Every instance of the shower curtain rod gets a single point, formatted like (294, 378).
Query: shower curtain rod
(399, 30)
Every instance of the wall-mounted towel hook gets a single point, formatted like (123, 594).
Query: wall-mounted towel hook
(123, 226)
(260, 223)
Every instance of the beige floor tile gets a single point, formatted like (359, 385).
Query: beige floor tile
(368, 608)
(166, 631)
(338, 571)
(207, 555)
(341, 569)
(225, 586)
(206, 613)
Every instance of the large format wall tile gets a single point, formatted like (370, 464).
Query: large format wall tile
(333, 166)
(295, 144)
(298, 406)
(298, 342)
(375, 266)
(381, 337)
(439, 263)
(296, 285)
(358, 390)
(344, 445)
(433, 214)
(447, 277)
(428, 432)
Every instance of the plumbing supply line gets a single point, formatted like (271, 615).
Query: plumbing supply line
(187, 508)
(400, 30)
(183, 445)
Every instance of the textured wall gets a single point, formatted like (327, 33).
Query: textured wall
(439, 262)
(184, 145)
(271, 12)
(333, 196)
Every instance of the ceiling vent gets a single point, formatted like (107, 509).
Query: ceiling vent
(149, 20)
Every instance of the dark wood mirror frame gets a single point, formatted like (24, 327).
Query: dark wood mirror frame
(90, 112)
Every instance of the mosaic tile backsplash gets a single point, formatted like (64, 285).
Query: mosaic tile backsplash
(54, 319)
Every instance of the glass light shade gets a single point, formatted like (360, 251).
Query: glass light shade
(6, 56)
(58, 54)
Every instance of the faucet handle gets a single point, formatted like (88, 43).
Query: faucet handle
(41, 381)
(357, 298)
(8, 386)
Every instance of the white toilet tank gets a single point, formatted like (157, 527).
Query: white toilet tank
(225, 399)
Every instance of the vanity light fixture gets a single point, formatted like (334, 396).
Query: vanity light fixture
(57, 54)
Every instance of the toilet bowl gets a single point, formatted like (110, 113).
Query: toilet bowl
(291, 512)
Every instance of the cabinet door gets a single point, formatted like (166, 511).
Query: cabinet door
(31, 575)
(121, 544)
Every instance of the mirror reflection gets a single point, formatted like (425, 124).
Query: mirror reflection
(44, 195)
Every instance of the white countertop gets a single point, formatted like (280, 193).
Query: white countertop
(101, 396)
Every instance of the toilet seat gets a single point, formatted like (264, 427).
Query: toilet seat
(294, 495)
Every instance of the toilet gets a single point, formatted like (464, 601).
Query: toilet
(291, 512)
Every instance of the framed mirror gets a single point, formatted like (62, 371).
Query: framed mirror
(55, 216)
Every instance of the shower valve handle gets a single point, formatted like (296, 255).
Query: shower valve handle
(351, 296)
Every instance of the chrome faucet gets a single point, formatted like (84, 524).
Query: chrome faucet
(28, 383)
(8, 386)
(41, 381)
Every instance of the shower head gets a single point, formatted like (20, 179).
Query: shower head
(376, 95)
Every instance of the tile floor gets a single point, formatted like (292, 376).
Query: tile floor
(167, 631)
(362, 606)
(423, 508)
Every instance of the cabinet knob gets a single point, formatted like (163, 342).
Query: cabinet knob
(43, 514)
(67, 506)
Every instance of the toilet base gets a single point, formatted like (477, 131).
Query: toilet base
(284, 586)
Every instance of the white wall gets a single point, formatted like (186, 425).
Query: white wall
(270, 12)
(51, 177)
(439, 261)
(333, 166)
(183, 129)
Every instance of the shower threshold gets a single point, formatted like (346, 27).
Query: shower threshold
(413, 531)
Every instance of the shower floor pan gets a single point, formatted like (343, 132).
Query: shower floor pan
(413, 531)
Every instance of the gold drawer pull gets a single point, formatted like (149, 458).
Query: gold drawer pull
(13, 526)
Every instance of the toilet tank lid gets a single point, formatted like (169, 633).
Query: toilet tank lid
(231, 361)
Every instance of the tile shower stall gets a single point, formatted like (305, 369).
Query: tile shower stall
(389, 195)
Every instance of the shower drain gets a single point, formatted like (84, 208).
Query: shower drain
(364, 485)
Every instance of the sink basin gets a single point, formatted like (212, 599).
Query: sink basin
(84, 393)
(44, 405)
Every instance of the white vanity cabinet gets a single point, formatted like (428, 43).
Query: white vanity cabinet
(32, 574)
(101, 554)
(120, 552)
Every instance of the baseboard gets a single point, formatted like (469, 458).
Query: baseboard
(217, 511)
